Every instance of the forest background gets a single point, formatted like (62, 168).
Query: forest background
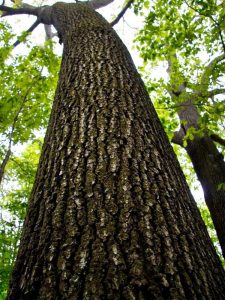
(182, 50)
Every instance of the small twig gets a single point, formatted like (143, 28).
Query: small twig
(121, 14)
(131, 27)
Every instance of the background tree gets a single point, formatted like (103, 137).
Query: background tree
(186, 35)
(110, 215)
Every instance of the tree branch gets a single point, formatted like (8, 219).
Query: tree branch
(178, 137)
(33, 26)
(48, 32)
(217, 139)
(209, 68)
(42, 13)
(215, 92)
(208, 94)
(121, 14)
(24, 9)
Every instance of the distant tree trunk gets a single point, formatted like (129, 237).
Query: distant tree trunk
(110, 216)
(209, 166)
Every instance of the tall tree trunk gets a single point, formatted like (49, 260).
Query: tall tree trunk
(110, 216)
(209, 166)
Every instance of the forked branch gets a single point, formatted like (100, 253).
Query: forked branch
(43, 14)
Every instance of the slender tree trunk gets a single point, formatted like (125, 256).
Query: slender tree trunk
(110, 216)
(209, 166)
(4, 163)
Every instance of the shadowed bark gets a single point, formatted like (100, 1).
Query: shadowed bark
(110, 216)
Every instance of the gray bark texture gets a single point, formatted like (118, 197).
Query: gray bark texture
(110, 216)
(209, 167)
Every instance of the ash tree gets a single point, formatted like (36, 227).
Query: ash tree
(110, 215)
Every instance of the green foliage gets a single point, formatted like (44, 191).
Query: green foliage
(221, 186)
(182, 25)
(26, 90)
(9, 237)
(17, 188)
(27, 85)
(13, 205)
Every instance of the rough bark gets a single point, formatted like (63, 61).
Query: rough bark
(209, 166)
(110, 216)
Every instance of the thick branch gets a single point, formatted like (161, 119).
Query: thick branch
(217, 139)
(208, 94)
(48, 32)
(121, 14)
(188, 116)
(25, 9)
(43, 15)
(178, 137)
(214, 92)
